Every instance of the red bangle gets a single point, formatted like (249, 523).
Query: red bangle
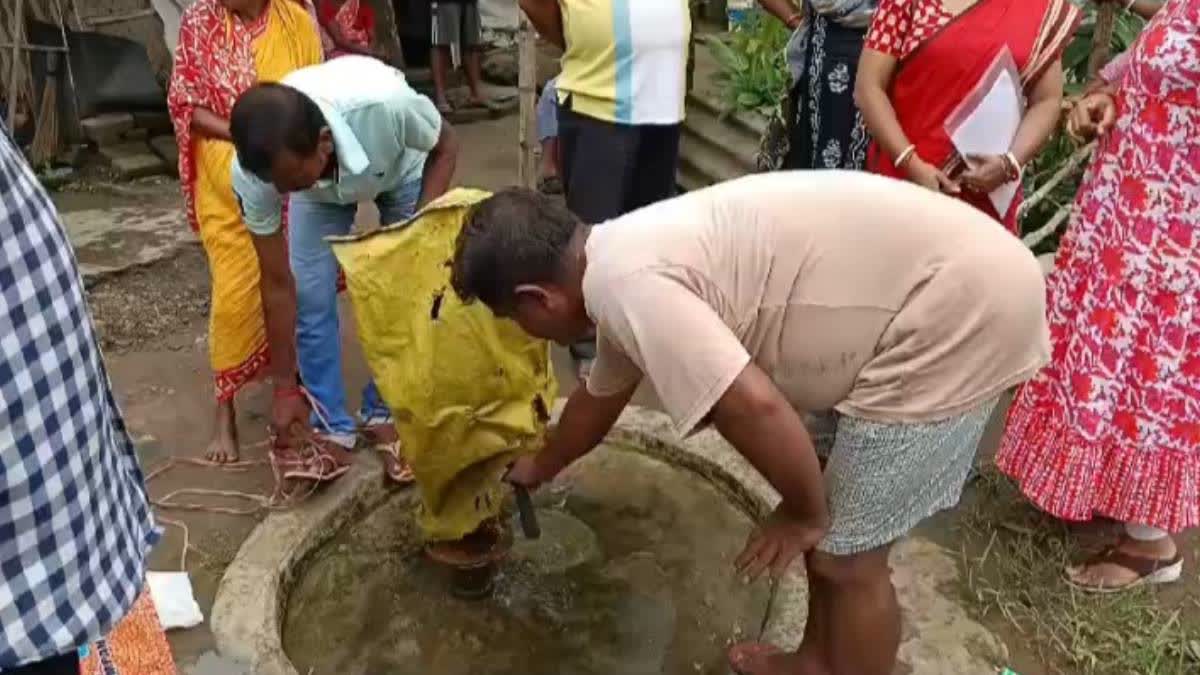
(293, 391)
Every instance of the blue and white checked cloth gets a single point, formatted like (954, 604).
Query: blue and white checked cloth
(75, 523)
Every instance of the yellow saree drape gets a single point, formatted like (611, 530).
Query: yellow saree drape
(237, 334)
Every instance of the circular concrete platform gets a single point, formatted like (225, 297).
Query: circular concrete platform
(358, 524)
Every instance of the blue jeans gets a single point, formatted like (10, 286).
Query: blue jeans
(318, 336)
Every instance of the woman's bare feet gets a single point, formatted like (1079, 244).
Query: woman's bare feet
(223, 449)
(1128, 564)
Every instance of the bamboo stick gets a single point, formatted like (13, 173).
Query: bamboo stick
(1037, 236)
(62, 31)
(32, 48)
(18, 32)
(526, 90)
(1106, 17)
(1068, 167)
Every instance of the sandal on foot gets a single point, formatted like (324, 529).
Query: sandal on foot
(315, 463)
(445, 108)
(394, 467)
(744, 657)
(1149, 571)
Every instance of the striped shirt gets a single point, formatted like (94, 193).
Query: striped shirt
(626, 60)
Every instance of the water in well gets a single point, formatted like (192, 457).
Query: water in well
(633, 574)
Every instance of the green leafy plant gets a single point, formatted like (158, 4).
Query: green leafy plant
(753, 74)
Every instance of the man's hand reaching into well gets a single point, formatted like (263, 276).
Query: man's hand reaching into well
(774, 544)
(529, 472)
(584, 421)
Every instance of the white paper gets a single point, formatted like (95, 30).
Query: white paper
(990, 127)
(173, 600)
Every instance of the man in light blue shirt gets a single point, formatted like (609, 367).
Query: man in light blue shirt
(331, 135)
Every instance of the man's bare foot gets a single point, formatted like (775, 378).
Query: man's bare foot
(758, 658)
(223, 449)
(1128, 564)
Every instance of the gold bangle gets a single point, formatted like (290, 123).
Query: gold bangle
(905, 155)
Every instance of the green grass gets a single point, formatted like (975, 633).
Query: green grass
(1014, 557)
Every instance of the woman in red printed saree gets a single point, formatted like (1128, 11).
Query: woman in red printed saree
(922, 58)
(1112, 426)
(226, 46)
(349, 28)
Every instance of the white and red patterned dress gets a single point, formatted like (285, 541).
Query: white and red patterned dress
(1112, 426)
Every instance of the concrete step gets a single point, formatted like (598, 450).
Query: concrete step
(713, 165)
(133, 160)
(167, 149)
(707, 102)
(733, 140)
(688, 178)
(155, 123)
(107, 129)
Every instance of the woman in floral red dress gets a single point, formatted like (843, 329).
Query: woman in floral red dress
(1112, 426)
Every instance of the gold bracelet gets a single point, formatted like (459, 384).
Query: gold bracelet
(905, 155)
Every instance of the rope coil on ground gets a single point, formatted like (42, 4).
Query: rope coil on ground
(302, 441)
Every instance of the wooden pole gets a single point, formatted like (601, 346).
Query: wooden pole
(527, 90)
(18, 37)
(1106, 16)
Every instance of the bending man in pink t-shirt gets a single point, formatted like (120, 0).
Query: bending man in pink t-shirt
(895, 315)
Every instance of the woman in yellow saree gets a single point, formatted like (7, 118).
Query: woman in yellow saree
(225, 47)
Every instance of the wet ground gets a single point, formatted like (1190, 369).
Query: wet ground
(997, 560)
(631, 575)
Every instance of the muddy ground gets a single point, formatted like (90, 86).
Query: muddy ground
(152, 322)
